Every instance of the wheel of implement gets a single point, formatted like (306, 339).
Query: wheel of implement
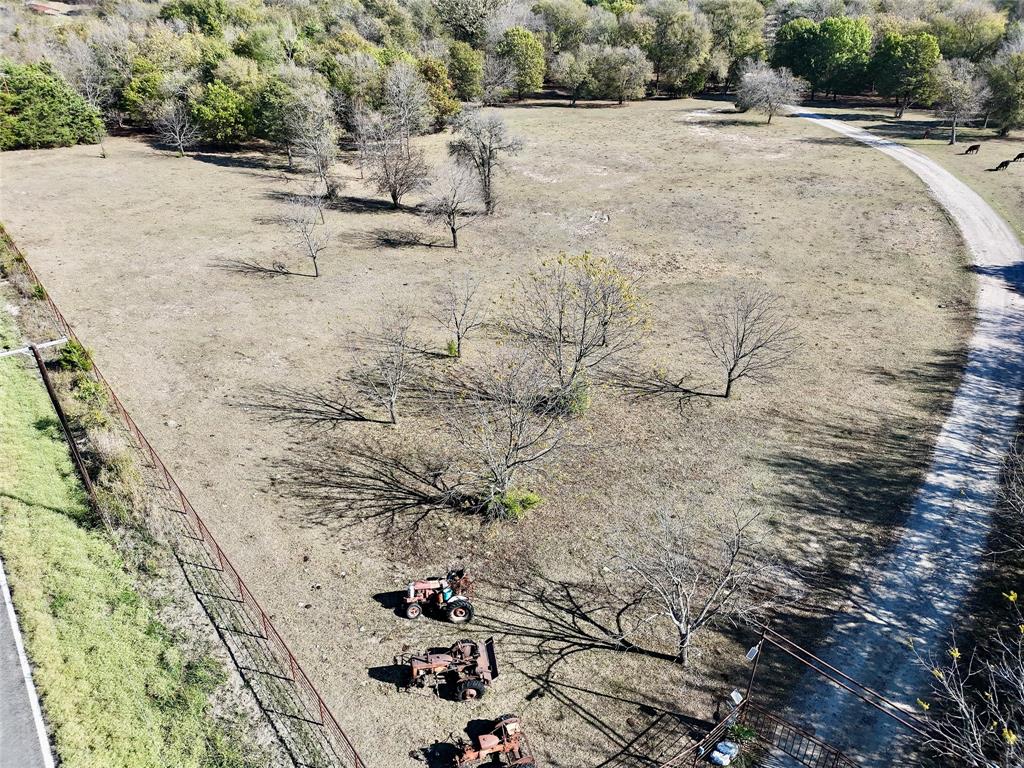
(460, 611)
(471, 690)
(413, 611)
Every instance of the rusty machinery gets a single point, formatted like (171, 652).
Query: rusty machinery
(449, 595)
(506, 739)
(468, 667)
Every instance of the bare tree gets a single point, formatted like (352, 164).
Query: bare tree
(507, 423)
(175, 127)
(961, 91)
(364, 75)
(577, 313)
(391, 363)
(406, 102)
(1011, 500)
(302, 220)
(395, 169)
(767, 90)
(454, 201)
(976, 704)
(82, 66)
(748, 336)
(498, 79)
(698, 573)
(482, 139)
(314, 133)
(364, 123)
(458, 309)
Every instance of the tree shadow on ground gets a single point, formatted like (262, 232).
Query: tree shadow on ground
(350, 204)
(562, 102)
(305, 406)
(637, 384)
(733, 122)
(341, 203)
(393, 238)
(650, 738)
(548, 621)
(257, 269)
(887, 126)
(271, 167)
(394, 488)
(540, 623)
(867, 470)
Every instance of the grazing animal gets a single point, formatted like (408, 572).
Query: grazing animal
(927, 133)
(1003, 165)
(973, 149)
(1019, 157)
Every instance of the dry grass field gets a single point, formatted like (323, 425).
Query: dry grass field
(1003, 190)
(134, 248)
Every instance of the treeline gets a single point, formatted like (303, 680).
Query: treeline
(238, 70)
(966, 62)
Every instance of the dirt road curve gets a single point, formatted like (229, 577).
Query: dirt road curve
(917, 591)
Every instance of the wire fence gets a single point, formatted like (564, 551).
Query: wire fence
(307, 728)
(301, 719)
(807, 749)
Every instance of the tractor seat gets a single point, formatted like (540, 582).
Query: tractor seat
(489, 741)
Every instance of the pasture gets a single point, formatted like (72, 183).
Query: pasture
(145, 253)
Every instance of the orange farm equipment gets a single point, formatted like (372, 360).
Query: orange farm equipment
(449, 595)
(506, 740)
(467, 668)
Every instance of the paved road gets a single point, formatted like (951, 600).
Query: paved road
(922, 583)
(23, 741)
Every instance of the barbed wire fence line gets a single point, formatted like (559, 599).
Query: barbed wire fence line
(300, 717)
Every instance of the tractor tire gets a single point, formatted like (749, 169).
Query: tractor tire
(413, 611)
(460, 611)
(470, 690)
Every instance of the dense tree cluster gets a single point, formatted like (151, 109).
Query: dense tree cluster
(231, 71)
(38, 109)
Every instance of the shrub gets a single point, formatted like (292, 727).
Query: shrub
(526, 55)
(740, 733)
(513, 504)
(440, 90)
(466, 70)
(120, 487)
(575, 401)
(9, 259)
(144, 90)
(88, 390)
(206, 16)
(38, 109)
(38, 292)
(452, 348)
(74, 357)
(223, 115)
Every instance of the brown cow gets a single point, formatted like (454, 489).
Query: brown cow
(973, 149)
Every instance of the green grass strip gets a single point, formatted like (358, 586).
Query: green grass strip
(115, 687)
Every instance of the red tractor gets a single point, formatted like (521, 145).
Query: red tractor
(468, 667)
(506, 739)
(448, 595)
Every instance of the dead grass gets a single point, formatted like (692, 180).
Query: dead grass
(1003, 190)
(706, 200)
